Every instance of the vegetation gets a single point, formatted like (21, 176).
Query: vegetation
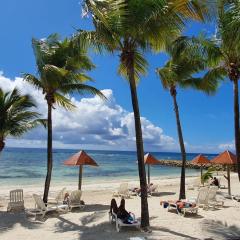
(61, 69)
(178, 72)
(16, 115)
(222, 54)
(129, 28)
(207, 175)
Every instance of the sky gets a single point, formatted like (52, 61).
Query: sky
(207, 121)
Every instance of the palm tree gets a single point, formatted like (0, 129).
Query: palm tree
(178, 72)
(222, 53)
(16, 116)
(129, 28)
(61, 66)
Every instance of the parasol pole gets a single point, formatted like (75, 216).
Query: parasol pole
(80, 177)
(201, 174)
(228, 178)
(148, 173)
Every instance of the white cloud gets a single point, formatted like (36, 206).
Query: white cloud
(227, 146)
(94, 124)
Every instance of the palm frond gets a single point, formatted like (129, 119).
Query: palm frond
(16, 116)
(63, 101)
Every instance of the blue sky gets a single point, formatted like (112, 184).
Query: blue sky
(206, 121)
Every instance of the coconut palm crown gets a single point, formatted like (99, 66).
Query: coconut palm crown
(129, 28)
(222, 53)
(179, 72)
(16, 115)
(61, 67)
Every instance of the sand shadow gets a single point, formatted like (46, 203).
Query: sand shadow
(104, 230)
(221, 229)
(9, 219)
(162, 194)
(187, 214)
(87, 228)
(96, 207)
(174, 233)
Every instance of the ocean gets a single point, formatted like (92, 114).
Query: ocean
(21, 166)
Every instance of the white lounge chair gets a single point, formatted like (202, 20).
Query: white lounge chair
(122, 191)
(42, 209)
(153, 189)
(16, 200)
(211, 198)
(202, 197)
(119, 223)
(221, 186)
(59, 198)
(75, 200)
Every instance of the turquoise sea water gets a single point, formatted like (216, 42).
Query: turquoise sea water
(28, 166)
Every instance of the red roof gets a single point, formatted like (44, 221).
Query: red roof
(149, 159)
(200, 159)
(226, 157)
(80, 158)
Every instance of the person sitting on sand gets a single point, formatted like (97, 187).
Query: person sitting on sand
(215, 182)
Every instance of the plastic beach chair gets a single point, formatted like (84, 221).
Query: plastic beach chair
(211, 199)
(16, 200)
(122, 191)
(75, 200)
(119, 223)
(59, 198)
(42, 209)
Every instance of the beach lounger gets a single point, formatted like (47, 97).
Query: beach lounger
(59, 198)
(16, 200)
(182, 207)
(75, 200)
(221, 186)
(211, 198)
(42, 209)
(202, 198)
(122, 191)
(236, 197)
(153, 189)
(119, 223)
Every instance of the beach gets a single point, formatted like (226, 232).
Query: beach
(92, 222)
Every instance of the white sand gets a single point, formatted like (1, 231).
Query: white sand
(92, 222)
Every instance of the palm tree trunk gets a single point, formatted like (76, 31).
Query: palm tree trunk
(140, 151)
(49, 154)
(236, 124)
(2, 144)
(182, 194)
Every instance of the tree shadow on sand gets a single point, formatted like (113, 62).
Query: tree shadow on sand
(221, 230)
(96, 207)
(8, 220)
(104, 230)
(87, 227)
(162, 194)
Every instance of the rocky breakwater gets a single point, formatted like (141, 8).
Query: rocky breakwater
(178, 163)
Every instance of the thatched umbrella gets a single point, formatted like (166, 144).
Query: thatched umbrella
(200, 160)
(150, 160)
(79, 159)
(226, 158)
